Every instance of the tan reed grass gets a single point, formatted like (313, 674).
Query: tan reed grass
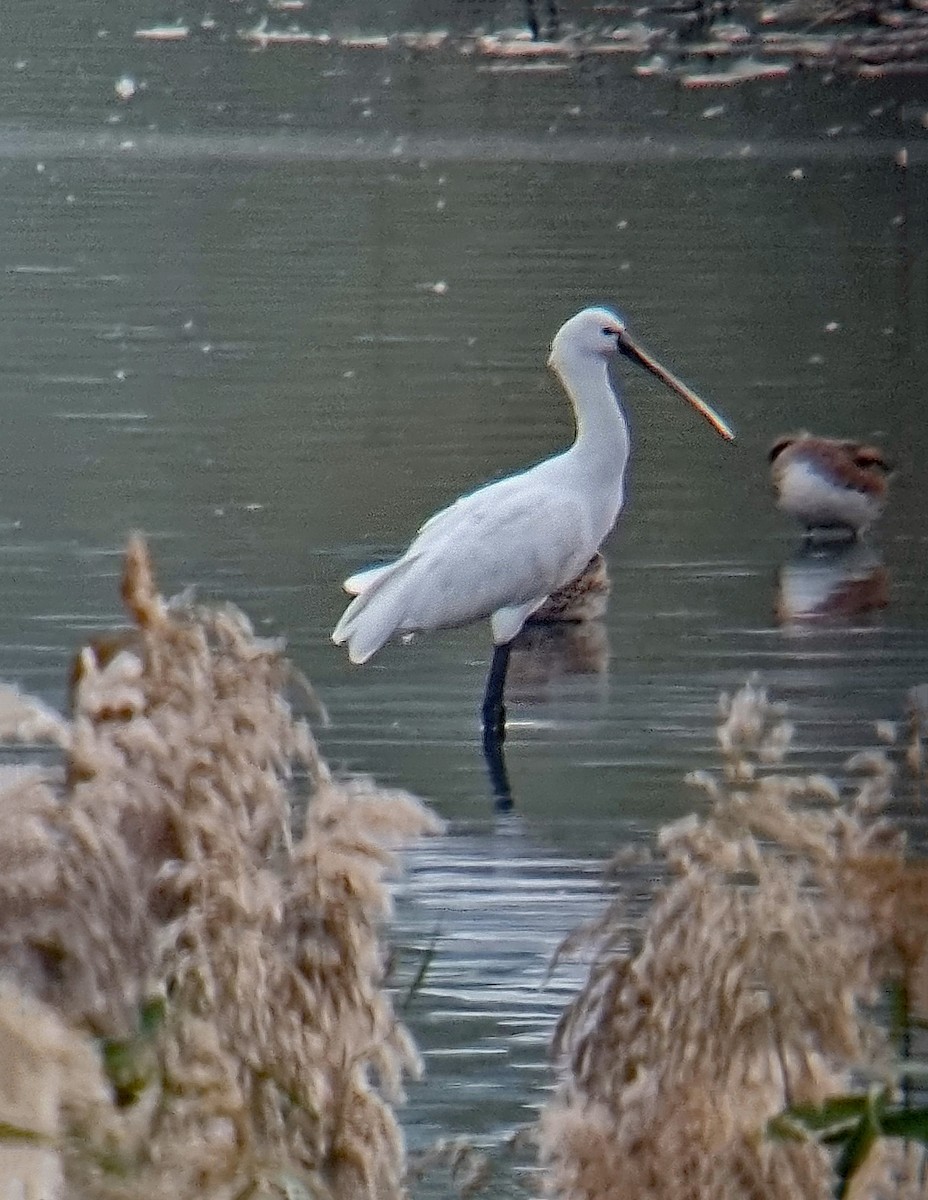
(155, 899)
(746, 990)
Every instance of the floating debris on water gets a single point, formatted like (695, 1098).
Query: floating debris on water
(371, 41)
(746, 71)
(125, 87)
(518, 46)
(628, 39)
(895, 44)
(39, 269)
(732, 32)
(263, 36)
(440, 288)
(657, 64)
(618, 47)
(175, 32)
(511, 68)
(433, 40)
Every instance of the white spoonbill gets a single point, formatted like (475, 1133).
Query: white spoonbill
(499, 552)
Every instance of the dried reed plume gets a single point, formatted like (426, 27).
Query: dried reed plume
(745, 991)
(155, 897)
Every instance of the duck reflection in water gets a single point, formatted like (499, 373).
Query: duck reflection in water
(565, 637)
(831, 582)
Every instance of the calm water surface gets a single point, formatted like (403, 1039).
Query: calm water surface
(219, 324)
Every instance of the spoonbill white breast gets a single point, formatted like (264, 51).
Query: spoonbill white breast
(501, 551)
(830, 485)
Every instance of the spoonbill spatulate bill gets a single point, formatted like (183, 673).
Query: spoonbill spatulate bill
(500, 551)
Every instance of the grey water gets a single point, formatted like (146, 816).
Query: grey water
(276, 306)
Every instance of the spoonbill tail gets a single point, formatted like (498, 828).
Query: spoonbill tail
(831, 486)
(501, 551)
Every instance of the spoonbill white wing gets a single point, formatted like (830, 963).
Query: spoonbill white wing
(509, 498)
(446, 519)
(483, 557)
(364, 580)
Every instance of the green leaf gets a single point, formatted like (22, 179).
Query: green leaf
(128, 1067)
(425, 961)
(909, 1123)
(151, 1015)
(860, 1142)
(838, 1112)
(16, 1133)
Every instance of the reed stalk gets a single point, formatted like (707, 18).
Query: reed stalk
(191, 926)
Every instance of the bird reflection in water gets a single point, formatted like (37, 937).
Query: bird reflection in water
(565, 637)
(831, 582)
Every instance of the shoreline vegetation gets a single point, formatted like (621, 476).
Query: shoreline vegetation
(196, 997)
(191, 929)
(755, 1035)
(700, 43)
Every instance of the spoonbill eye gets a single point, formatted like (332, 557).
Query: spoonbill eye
(608, 332)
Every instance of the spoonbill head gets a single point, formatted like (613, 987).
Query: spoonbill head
(600, 332)
(832, 486)
(501, 551)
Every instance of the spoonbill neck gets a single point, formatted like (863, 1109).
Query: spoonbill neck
(601, 426)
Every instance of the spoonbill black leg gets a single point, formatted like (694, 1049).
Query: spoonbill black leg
(494, 726)
(494, 710)
(495, 759)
